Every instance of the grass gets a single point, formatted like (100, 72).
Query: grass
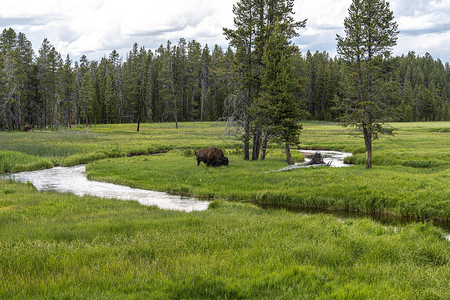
(81, 145)
(11, 161)
(64, 246)
(415, 144)
(396, 190)
(410, 175)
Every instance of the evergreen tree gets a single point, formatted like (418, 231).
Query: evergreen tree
(86, 98)
(143, 67)
(254, 20)
(49, 64)
(202, 85)
(180, 78)
(277, 103)
(26, 77)
(167, 82)
(68, 90)
(117, 81)
(206, 58)
(11, 85)
(219, 78)
(370, 35)
(112, 113)
(193, 80)
(131, 88)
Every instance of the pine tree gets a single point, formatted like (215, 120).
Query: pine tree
(86, 98)
(167, 81)
(25, 74)
(370, 35)
(131, 90)
(281, 112)
(11, 85)
(117, 81)
(218, 82)
(112, 113)
(193, 80)
(206, 58)
(180, 78)
(45, 77)
(143, 62)
(68, 90)
(254, 20)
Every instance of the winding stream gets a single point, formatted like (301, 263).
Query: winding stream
(73, 180)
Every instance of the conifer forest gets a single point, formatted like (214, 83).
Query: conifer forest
(184, 81)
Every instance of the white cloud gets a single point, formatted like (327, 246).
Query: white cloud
(96, 27)
(433, 43)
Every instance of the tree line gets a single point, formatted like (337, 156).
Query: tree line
(181, 82)
(188, 81)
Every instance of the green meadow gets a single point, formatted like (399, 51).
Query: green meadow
(395, 190)
(56, 246)
(64, 246)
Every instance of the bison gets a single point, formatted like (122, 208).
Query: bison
(211, 156)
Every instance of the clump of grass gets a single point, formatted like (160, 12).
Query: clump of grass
(86, 157)
(188, 153)
(12, 161)
(444, 129)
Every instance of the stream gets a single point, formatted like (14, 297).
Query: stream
(330, 158)
(73, 180)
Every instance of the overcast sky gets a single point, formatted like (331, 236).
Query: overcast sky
(96, 27)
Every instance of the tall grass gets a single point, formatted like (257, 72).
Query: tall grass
(11, 161)
(63, 246)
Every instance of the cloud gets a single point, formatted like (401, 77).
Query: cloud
(424, 25)
(96, 27)
(30, 21)
(433, 43)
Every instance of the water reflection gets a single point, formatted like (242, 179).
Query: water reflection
(73, 180)
(384, 219)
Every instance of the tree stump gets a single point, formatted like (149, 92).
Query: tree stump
(316, 159)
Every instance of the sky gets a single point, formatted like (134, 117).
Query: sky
(96, 27)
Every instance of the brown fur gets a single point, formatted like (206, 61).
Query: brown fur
(211, 156)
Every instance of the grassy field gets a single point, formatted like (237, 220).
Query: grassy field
(64, 246)
(410, 175)
(422, 145)
(55, 246)
(82, 145)
(396, 190)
